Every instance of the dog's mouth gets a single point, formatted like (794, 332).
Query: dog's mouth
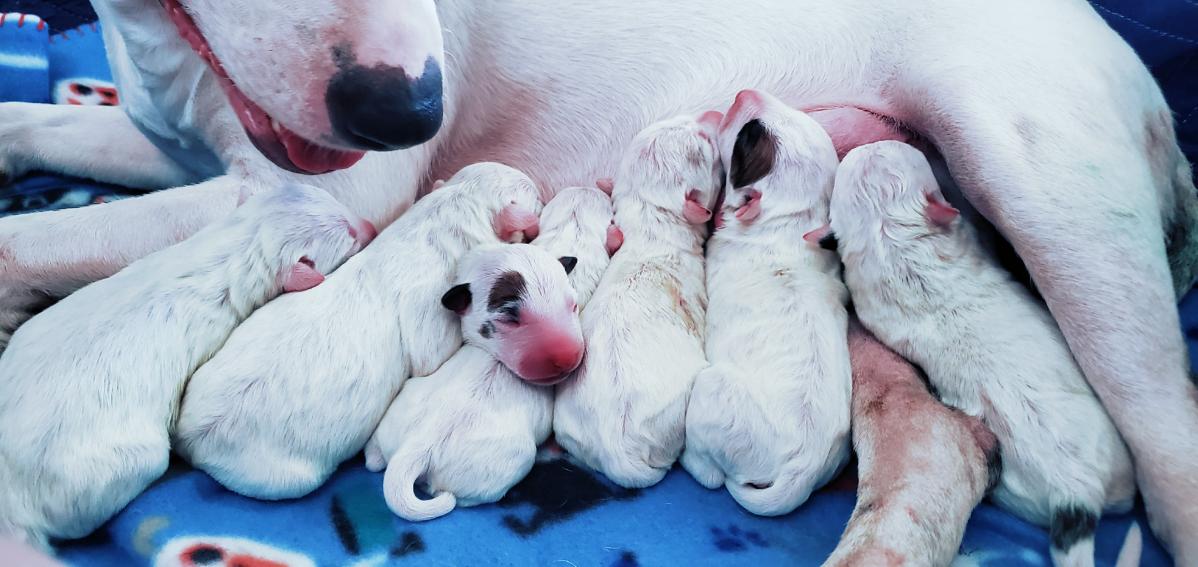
(285, 148)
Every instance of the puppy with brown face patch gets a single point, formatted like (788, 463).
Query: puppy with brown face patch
(258, 417)
(89, 387)
(623, 413)
(469, 432)
(769, 419)
(922, 284)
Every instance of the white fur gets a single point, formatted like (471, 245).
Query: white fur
(990, 349)
(299, 387)
(574, 223)
(1063, 140)
(470, 431)
(623, 412)
(769, 418)
(92, 383)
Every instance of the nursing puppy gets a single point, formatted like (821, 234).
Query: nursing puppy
(578, 223)
(921, 283)
(469, 432)
(769, 418)
(623, 413)
(923, 466)
(301, 385)
(91, 384)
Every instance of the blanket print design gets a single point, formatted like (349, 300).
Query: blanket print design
(562, 514)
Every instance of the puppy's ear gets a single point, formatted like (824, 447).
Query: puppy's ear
(940, 212)
(457, 299)
(822, 237)
(693, 210)
(302, 276)
(615, 239)
(753, 154)
(606, 184)
(568, 262)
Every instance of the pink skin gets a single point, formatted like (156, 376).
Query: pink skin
(748, 212)
(540, 351)
(516, 223)
(302, 276)
(615, 239)
(282, 145)
(694, 211)
(940, 212)
(848, 126)
(817, 235)
(606, 185)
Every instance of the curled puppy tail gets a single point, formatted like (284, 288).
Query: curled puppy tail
(792, 488)
(1071, 530)
(399, 489)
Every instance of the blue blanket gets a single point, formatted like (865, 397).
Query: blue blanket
(561, 514)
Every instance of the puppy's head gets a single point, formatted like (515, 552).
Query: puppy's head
(578, 222)
(674, 165)
(509, 196)
(888, 188)
(516, 302)
(781, 163)
(311, 232)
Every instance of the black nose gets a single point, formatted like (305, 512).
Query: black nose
(380, 108)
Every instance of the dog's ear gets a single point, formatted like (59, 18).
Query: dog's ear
(568, 262)
(457, 299)
(752, 155)
(615, 239)
(694, 211)
(606, 185)
(302, 276)
(940, 212)
(822, 237)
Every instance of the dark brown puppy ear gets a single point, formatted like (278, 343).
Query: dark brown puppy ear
(457, 299)
(753, 155)
(568, 262)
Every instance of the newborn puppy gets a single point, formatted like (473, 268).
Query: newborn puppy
(921, 283)
(923, 466)
(469, 432)
(623, 413)
(578, 222)
(769, 418)
(91, 384)
(301, 385)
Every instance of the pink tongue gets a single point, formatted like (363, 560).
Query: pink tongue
(313, 158)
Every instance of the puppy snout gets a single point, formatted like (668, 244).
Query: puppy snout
(557, 357)
(382, 108)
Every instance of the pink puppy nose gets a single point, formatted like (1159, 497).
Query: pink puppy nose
(550, 364)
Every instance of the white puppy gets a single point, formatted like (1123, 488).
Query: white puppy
(90, 385)
(769, 418)
(623, 413)
(578, 222)
(921, 283)
(469, 432)
(301, 385)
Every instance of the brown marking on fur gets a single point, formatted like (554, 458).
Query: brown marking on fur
(683, 308)
(508, 288)
(753, 155)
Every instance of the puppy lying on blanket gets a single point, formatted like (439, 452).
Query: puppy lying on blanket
(623, 413)
(301, 385)
(92, 383)
(922, 284)
(469, 432)
(770, 417)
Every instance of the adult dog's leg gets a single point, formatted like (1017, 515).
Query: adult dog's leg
(96, 142)
(48, 255)
(1072, 156)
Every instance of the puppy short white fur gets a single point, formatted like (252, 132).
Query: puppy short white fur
(769, 418)
(623, 413)
(92, 383)
(921, 283)
(470, 431)
(260, 416)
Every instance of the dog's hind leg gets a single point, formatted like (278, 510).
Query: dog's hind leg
(94, 142)
(50, 254)
(1060, 151)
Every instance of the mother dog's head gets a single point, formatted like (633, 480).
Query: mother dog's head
(315, 84)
